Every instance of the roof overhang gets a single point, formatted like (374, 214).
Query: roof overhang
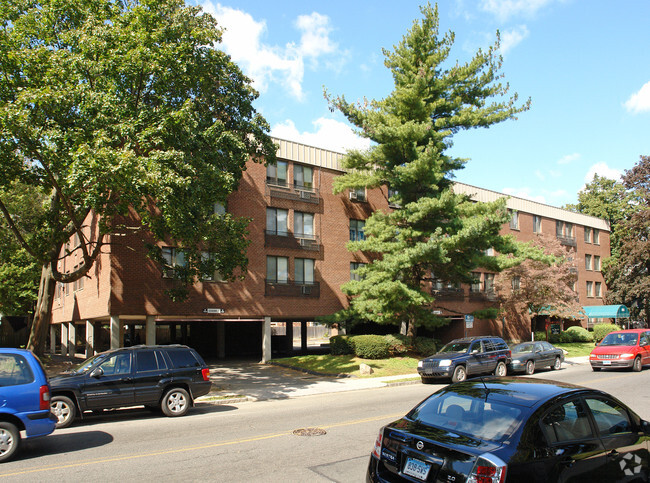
(607, 311)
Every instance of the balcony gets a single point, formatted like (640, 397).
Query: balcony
(449, 294)
(290, 288)
(567, 240)
(297, 241)
(482, 296)
(279, 188)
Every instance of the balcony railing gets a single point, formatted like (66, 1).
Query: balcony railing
(290, 288)
(449, 293)
(567, 240)
(298, 241)
(279, 188)
(481, 296)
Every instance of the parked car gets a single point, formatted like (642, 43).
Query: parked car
(530, 355)
(513, 429)
(622, 348)
(470, 356)
(166, 377)
(24, 400)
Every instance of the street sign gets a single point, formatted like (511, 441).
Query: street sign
(469, 321)
(213, 311)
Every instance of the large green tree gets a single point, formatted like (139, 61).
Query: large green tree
(435, 233)
(628, 273)
(123, 109)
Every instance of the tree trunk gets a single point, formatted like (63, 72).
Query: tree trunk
(412, 329)
(43, 313)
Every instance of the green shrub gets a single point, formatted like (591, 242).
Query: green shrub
(398, 344)
(425, 346)
(540, 335)
(371, 346)
(601, 330)
(341, 345)
(579, 334)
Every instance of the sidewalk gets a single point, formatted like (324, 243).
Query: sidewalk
(240, 381)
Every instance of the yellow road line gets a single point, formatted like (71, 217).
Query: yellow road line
(193, 448)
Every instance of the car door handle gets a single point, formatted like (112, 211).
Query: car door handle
(568, 462)
(613, 453)
(127, 379)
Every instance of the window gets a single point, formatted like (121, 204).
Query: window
(303, 176)
(219, 209)
(596, 237)
(15, 370)
(208, 274)
(304, 271)
(277, 173)
(476, 285)
(597, 263)
(566, 422)
(489, 252)
(358, 194)
(516, 283)
(277, 269)
(145, 360)
(559, 228)
(537, 224)
(276, 221)
(590, 289)
(356, 230)
(117, 364)
(392, 193)
(514, 220)
(182, 358)
(303, 225)
(587, 262)
(353, 267)
(489, 283)
(587, 235)
(610, 417)
(173, 258)
(78, 284)
(568, 229)
(598, 289)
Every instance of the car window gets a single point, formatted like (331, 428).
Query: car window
(477, 347)
(14, 370)
(566, 422)
(547, 346)
(644, 339)
(523, 348)
(145, 361)
(610, 417)
(455, 347)
(538, 347)
(117, 364)
(489, 345)
(182, 358)
(476, 417)
(617, 338)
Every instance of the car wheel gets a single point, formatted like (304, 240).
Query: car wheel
(501, 369)
(530, 367)
(176, 402)
(595, 369)
(427, 380)
(557, 365)
(459, 375)
(64, 410)
(9, 440)
(637, 365)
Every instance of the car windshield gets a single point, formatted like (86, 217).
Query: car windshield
(477, 417)
(523, 348)
(455, 347)
(614, 338)
(88, 363)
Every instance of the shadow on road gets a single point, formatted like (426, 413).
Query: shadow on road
(60, 443)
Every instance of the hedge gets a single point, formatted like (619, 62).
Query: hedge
(371, 346)
(601, 330)
(341, 345)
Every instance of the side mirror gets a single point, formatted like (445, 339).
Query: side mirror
(646, 427)
(97, 373)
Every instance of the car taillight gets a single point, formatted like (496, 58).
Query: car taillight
(377, 449)
(206, 374)
(488, 469)
(44, 397)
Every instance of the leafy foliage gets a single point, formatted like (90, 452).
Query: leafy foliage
(124, 110)
(435, 231)
(601, 330)
(371, 346)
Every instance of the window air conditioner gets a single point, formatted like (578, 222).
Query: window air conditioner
(305, 290)
(353, 195)
(305, 195)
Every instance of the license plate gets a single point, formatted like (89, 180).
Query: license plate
(607, 363)
(416, 468)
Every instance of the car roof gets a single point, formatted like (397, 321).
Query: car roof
(476, 337)
(142, 346)
(628, 331)
(518, 391)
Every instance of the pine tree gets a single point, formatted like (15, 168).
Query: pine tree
(435, 233)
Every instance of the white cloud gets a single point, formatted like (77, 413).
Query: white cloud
(243, 41)
(569, 158)
(505, 9)
(511, 38)
(639, 101)
(602, 170)
(328, 134)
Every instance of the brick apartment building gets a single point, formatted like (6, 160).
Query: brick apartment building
(297, 264)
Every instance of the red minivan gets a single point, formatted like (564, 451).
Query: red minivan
(623, 348)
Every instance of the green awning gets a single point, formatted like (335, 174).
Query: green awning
(607, 311)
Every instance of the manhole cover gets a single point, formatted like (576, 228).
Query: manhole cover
(309, 432)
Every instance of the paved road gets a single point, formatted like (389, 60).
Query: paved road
(253, 441)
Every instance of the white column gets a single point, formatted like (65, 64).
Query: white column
(116, 332)
(266, 340)
(90, 339)
(221, 339)
(64, 339)
(52, 339)
(72, 339)
(150, 330)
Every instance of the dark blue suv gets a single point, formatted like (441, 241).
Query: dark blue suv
(24, 400)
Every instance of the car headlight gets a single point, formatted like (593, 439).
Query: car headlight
(420, 363)
(444, 362)
(627, 356)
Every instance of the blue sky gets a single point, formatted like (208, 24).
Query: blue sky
(584, 63)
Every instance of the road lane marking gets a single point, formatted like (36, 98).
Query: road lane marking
(194, 448)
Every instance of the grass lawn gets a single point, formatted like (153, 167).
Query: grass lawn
(348, 364)
(576, 349)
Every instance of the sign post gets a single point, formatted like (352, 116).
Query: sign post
(469, 323)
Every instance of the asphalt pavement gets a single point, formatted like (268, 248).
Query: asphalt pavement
(240, 381)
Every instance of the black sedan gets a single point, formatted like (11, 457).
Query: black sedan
(514, 429)
(530, 355)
